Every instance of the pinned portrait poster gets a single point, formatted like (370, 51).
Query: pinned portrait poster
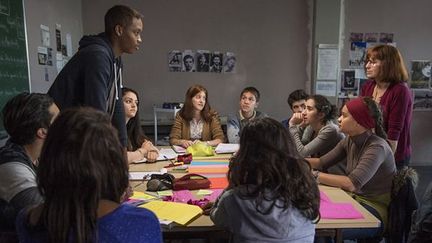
(386, 38)
(371, 37)
(349, 84)
(230, 61)
(216, 62)
(188, 61)
(357, 54)
(356, 37)
(422, 100)
(202, 60)
(420, 74)
(174, 61)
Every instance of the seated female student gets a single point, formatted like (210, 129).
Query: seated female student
(139, 146)
(83, 176)
(249, 99)
(321, 134)
(196, 121)
(270, 188)
(370, 163)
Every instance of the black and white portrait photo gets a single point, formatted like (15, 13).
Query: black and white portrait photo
(230, 63)
(188, 61)
(202, 60)
(216, 61)
(175, 61)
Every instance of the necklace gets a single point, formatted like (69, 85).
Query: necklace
(377, 94)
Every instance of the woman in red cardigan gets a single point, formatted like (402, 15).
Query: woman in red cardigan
(387, 85)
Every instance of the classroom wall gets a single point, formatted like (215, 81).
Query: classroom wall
(271, 40)
(410, 23)
(49, 12)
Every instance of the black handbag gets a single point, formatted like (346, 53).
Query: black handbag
(160, 182)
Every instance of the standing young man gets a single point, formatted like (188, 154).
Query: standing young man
(93, 76)
(26, 118)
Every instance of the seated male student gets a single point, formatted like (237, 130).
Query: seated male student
(296, 101)
(249, 99)
(26, 118)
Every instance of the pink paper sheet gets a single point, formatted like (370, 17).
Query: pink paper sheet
(212, 197)
(324, 197)
(330, 210)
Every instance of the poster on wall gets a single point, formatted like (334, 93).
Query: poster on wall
(371, 37)
(327, 63)
(174, 61)
(420, 74)
(230, 63)
(326, 88)
(216, 61)
(356, 37)
(357, 54)
(349, 85)
(422, 100)
(58, 37)
(386, 37)
(188, 61)
(203, 60)
(45, 35)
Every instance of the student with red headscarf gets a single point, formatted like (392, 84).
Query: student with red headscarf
(369, 162)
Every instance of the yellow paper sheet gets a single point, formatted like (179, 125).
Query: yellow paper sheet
(141, 196)
(180, 213)
(165, 193)
(204, 192)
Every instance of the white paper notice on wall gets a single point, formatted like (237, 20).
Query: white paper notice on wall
(326, 88)
(327, 64)
(69, 44)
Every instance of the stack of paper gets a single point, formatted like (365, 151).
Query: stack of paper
(180, 213)
(226, 148)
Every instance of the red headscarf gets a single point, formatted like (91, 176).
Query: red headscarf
(359, 110)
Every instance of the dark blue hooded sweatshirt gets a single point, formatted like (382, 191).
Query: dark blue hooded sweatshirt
(92, 77)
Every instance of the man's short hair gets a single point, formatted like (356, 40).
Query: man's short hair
(187, 57)
(24, 114)
(119, 15)
(252, 90)
(296, 95)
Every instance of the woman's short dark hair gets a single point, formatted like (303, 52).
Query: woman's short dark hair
(186, 111)
(119, 15)
(82, 162)
(392, 67)
(24, 114)
(268, 161)
(136, 136)
(323, 105)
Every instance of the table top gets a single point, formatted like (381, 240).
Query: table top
(204, 222)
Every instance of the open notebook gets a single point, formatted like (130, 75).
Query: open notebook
(164, 154)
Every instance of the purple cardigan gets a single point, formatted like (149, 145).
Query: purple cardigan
(396, 104)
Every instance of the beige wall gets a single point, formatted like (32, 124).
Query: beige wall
(270, 38)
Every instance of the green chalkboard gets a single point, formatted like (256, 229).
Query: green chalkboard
(13, 53)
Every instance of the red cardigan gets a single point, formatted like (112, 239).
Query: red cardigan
(396, 105)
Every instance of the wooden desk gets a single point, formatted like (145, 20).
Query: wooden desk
(203, 227)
